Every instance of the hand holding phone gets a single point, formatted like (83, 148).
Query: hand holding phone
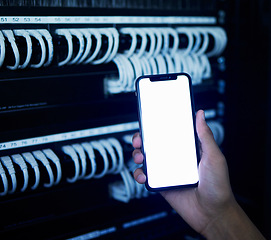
(166, 111)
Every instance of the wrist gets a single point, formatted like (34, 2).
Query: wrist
(232, 223)
(218, 225)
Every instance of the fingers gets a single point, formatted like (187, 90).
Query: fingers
(208, 144)
(137, 143)
(137, 154)
(139, 176)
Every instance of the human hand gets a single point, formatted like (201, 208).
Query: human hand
(213, 196)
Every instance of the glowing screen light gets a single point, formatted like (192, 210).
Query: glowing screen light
(168, 133)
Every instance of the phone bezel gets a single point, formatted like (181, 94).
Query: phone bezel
(165, 77)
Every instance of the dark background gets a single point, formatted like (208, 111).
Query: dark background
(248, 107)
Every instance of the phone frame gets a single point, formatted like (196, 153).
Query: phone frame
(164, 77)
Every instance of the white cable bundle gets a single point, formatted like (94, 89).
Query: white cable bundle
(41, 35)
(28, 157)
(26, 35)
(90, 152)
(4, 180)
(84, 37)
(110, 151)
(39, 155)
(53, 157)
(2, 49)
(81, 153)
(18, 159)
(6, 161)
(128, 188)
(69, 150)
(11, 38)
(162, 58)
(122, 191)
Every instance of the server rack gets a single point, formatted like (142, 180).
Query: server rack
(67, 117)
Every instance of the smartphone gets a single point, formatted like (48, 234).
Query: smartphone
(167, 128)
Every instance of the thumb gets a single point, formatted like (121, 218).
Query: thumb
(208, 144)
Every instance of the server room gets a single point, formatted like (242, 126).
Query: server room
(68, 114)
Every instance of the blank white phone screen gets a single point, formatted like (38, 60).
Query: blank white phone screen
(168, 132)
